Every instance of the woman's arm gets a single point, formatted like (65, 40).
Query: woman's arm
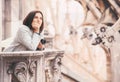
(31, 42)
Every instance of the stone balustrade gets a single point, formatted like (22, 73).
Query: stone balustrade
(31, 66)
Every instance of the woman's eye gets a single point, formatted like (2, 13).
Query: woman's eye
(41, 18)
(38, 17)
(35, 17)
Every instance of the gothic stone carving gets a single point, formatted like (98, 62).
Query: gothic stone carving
(108, 36)
(20, 71)
(53, 70)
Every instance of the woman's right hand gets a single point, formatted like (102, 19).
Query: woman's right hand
(41, 46)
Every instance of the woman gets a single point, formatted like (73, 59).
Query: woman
(28, 37)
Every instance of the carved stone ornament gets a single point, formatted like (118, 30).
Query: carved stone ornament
(57, 69)
(21, 71)
(32, 68)
(53, 70)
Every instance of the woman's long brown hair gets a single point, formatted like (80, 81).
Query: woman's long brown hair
(29, 18)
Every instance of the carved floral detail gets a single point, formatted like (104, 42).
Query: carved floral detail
(20, 71)
(32, 68)
(53, 70)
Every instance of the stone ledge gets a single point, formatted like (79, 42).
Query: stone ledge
(47, 52)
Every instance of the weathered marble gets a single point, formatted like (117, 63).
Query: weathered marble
(31, 66)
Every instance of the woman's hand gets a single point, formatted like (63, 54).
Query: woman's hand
(41, 46)
(36, 30)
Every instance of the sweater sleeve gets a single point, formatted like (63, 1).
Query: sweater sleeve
(28, 39)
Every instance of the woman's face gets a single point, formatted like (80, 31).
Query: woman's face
(37, 21)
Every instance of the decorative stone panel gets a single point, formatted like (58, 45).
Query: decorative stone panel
(38, 66)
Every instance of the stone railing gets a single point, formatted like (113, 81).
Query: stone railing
(38, 66)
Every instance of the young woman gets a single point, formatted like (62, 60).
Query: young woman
(28, 37)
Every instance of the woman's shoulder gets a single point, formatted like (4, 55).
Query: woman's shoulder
(23, 28)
